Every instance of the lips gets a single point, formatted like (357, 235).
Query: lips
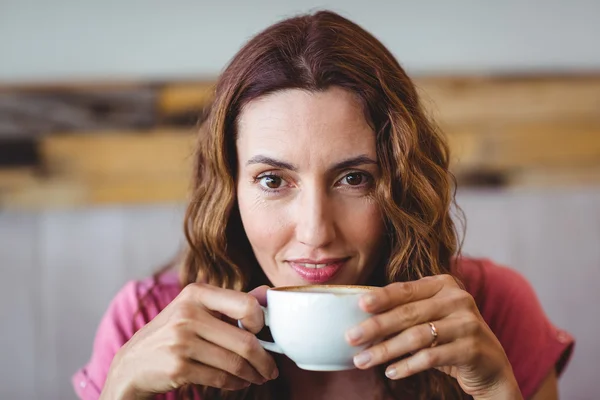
(317, 271)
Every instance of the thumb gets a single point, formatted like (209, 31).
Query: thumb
(260, 293)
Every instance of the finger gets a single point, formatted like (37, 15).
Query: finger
(398, 319)
(261, 294)
(398, 293)
(218, 357)
(200, 374)
(239, 341)
(410, 341)
(450, 354)
(234, 304)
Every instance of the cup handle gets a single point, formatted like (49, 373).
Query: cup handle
(271, 346)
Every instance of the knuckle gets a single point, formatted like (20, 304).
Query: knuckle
(407, 313)
(408, 367)
(184, 312)
(192, 290)
(398, 290)
(472, 325)
(413, 338)
(406, 289)
(177, 333)
(386, 293)
(447, 279)
(249, 345)
(250, 305)
(236, 364)
(221, 379)
(375, 324)
(178, 371)
(383, 351)
(178, 349)
(393, 287)
(429, 358)
(465, 300)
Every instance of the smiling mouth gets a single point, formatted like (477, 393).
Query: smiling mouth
(319, 271)
(315, 266)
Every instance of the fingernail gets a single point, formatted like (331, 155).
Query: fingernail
(391, 372)
(369, 299)
(362, 358)
(355, 333)
(275, 374)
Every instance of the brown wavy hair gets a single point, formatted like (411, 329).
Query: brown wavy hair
(415, 192)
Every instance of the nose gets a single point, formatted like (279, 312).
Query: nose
(315, 222)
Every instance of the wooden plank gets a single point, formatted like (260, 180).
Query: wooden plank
(139, 191)
(553, 177)
(451, 100)
(462, 100)
(65, 193)
(130, 167)
(42, 194)
(466, 101)
(58, 194)
(16, 177)
(170, 153)
(72, 85)
(119, 154)
(33, 113)
(525, 146)
(514, 130)
(183, 97)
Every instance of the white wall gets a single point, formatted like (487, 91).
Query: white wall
(67, 39)
(61, 268)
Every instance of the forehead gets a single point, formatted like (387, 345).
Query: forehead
(294, 121)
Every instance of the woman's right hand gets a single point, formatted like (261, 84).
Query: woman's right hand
(190, 343)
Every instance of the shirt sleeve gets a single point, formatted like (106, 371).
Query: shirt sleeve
(532, 343)
(116, 328)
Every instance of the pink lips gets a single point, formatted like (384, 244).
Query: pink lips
(317, 275)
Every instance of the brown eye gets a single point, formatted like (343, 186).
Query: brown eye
(354, 179)
(271, 182)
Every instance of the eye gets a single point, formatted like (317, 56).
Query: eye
(354, 179)
(271, 181)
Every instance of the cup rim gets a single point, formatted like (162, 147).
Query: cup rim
(295, 289)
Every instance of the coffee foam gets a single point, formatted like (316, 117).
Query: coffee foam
(326, 289)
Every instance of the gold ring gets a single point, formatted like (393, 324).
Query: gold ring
(434, 333)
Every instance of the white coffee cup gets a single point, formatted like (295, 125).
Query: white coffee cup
(308, 324)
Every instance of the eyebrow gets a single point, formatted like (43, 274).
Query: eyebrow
(345, 164)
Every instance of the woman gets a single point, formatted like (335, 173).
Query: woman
(318, 165)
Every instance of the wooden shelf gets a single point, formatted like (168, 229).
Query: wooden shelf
(106, 155)
(525, 131)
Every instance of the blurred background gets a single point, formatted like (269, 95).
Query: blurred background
(97, 106)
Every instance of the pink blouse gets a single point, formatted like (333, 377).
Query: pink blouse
(505, 299)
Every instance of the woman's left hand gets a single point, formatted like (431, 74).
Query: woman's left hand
(433, 323)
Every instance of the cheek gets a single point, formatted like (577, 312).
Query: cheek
(364, 226)
(265, 225)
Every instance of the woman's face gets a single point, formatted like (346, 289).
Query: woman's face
(307, 170)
